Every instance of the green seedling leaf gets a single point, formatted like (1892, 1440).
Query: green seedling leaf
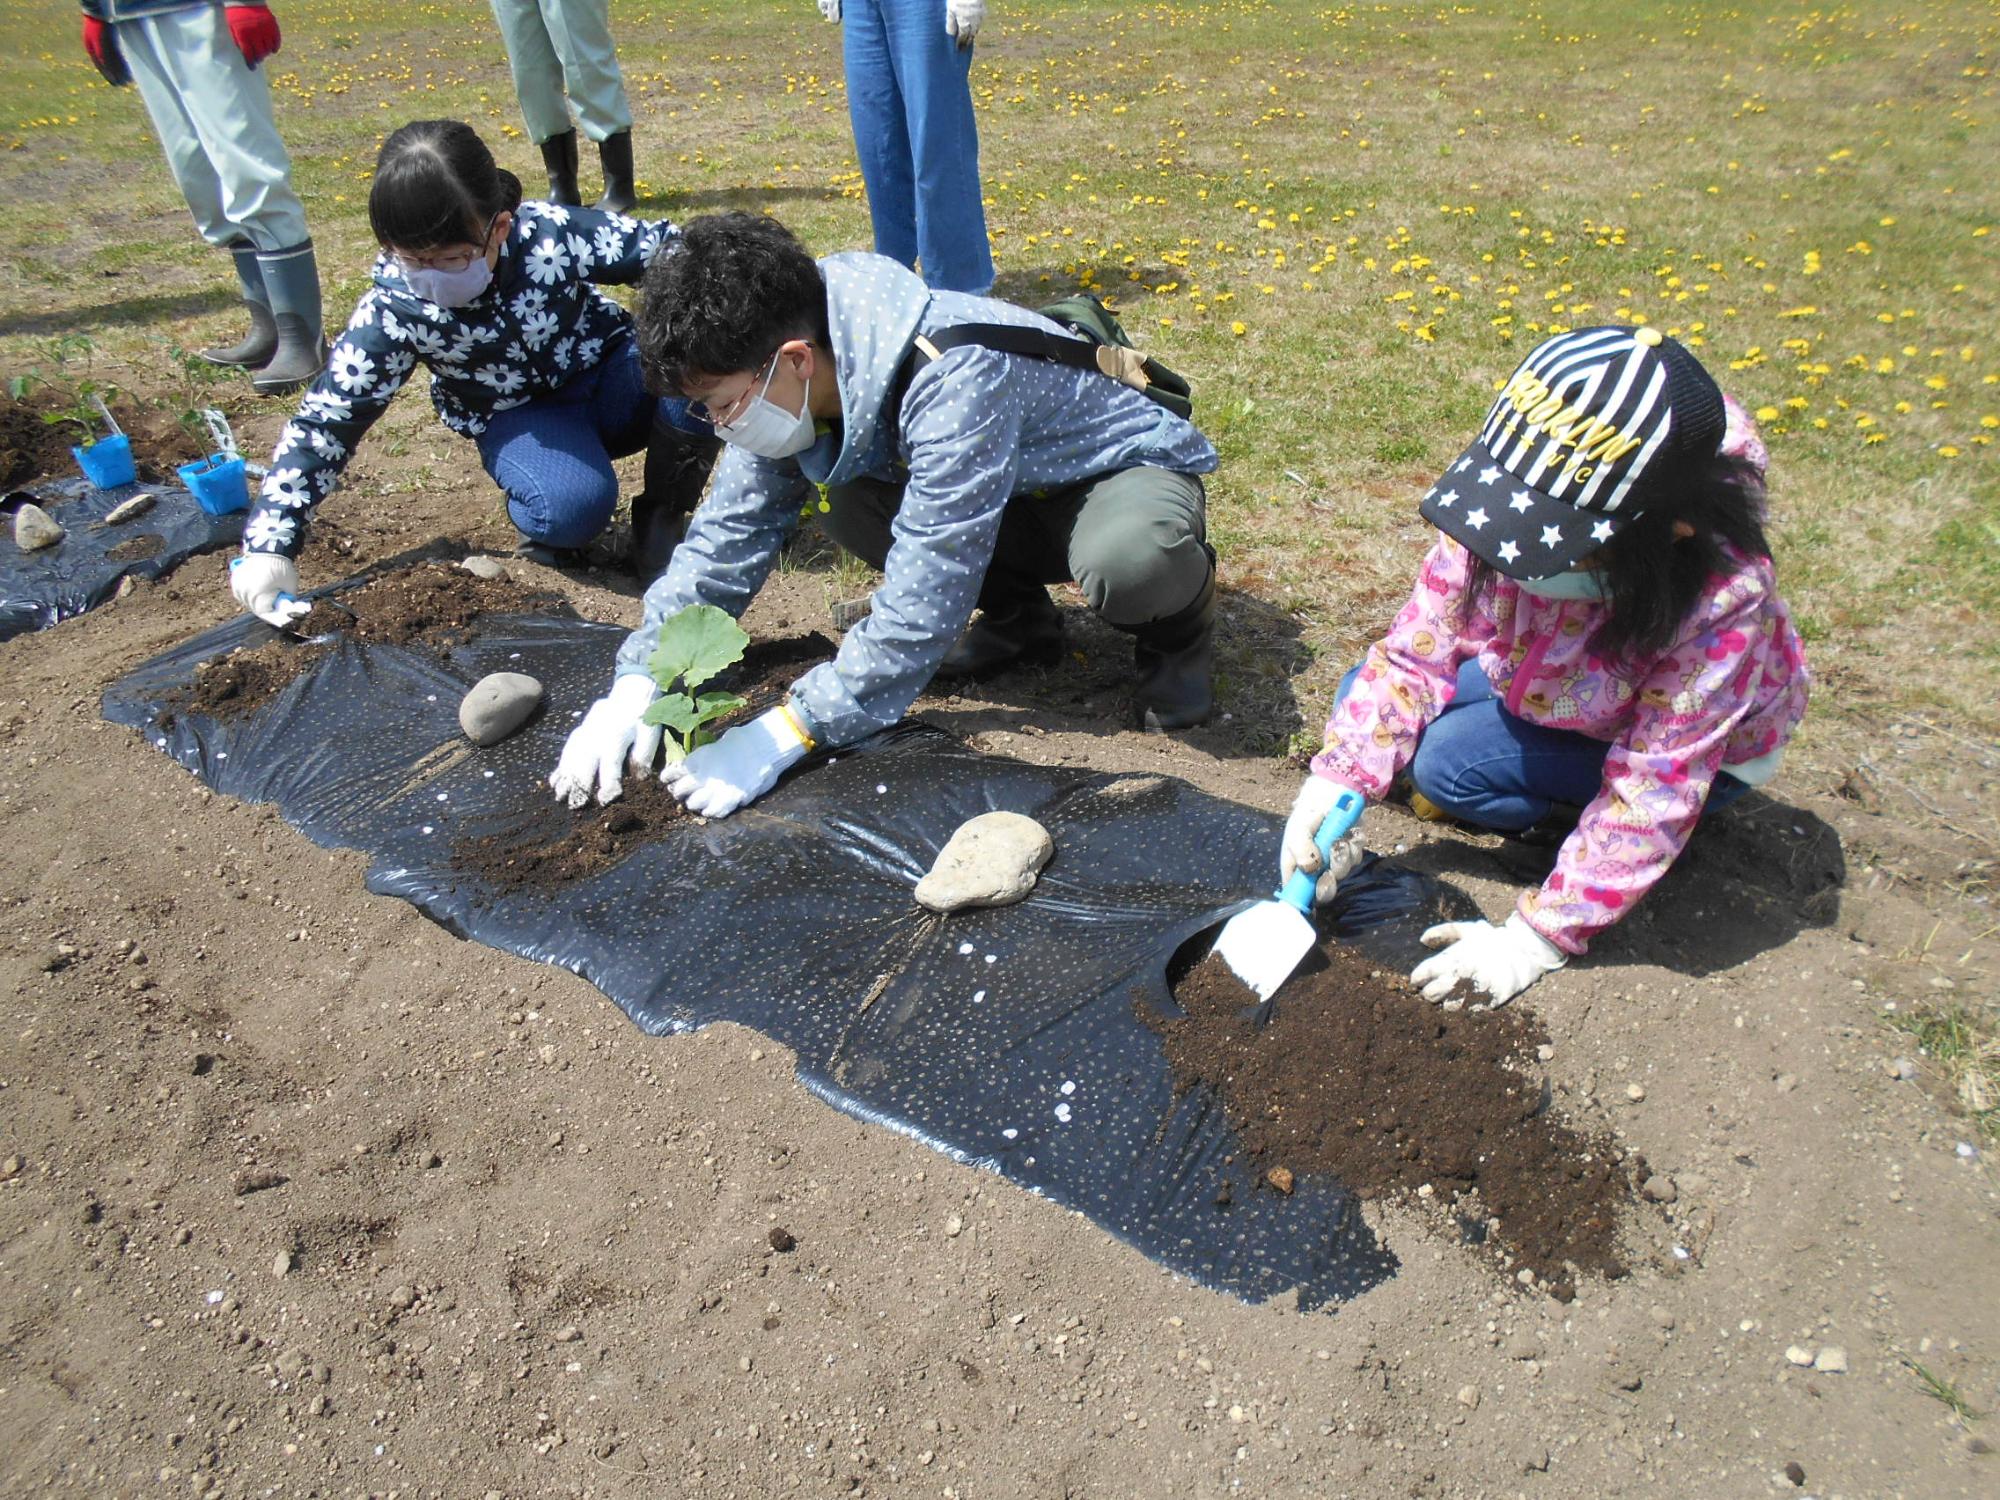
(695, 644)
(675, 711)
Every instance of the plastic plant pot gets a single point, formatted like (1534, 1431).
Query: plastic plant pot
(107, 463)
(218, 484)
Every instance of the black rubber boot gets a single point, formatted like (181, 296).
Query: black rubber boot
(254, 350)
(291, 280)
(559, 157)
(1023, 630)
(1175, 662)
(677, 465)
(620, 191)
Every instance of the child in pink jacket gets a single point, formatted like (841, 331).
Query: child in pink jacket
(1596, 639)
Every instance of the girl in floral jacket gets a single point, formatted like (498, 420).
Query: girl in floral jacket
(528, 358)
(1595, 650)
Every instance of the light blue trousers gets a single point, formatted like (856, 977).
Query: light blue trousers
(909, 94)
(564, 47)
(212, 113)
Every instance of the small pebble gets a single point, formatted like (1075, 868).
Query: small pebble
(1801, 1357)
(1832, 1360)
(567, 1334)
(1634, 1092)
(1903, 1068)
(1787, 1082)
(1545, 1052)
(125, 510)
(954, 1227)
(485, 567)
(1468, 1397)
(1795, 1471)
(781, 1240)
(1280, 1178)
(1659, 1189)
(281, 1263)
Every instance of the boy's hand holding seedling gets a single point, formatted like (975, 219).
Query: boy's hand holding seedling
(624, 728)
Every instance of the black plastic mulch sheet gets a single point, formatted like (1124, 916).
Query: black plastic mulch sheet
(79, 573)
(1004, 1038)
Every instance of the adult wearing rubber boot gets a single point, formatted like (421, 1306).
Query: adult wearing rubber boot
(970, 478)
(562, 55)
(196, 65)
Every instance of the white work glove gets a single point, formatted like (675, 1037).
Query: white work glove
(1297, 851)
(610, 737)
(740, 767)
(831, 10)
(962, 20)
(1499, 962)
(265, 584)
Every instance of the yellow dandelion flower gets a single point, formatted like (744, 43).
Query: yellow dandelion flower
(1768, 413)
(1239, 328)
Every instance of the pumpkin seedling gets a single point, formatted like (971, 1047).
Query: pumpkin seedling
(695, 644)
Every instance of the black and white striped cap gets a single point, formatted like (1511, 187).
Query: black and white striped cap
(1591, 428)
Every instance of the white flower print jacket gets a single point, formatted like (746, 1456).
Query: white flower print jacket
(540, 324)
(976, 428)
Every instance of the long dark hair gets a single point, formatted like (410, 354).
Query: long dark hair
(1651, 577)
(436, 184)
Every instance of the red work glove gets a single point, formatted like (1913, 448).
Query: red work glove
(101, 42)
(254, 30)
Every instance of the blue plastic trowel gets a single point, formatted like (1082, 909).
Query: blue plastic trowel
(1265, 943)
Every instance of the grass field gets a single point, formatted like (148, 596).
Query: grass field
(1344, 223)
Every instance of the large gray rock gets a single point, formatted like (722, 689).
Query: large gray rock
(482, 566)
(992, 860)
(498, 704)
(35, 528)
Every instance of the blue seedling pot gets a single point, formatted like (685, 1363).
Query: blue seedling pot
(218, 484)
(107, 463)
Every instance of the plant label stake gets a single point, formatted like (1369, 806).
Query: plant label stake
(105, 412)
(224, 438)
(1264, 944)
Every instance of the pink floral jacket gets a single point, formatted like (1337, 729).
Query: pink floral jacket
(1729, 691)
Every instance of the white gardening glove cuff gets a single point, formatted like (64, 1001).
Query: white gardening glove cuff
(1296, 849)
(1499, 962)
(266, 585)
(831, 10)
(963, 18)
(611, 737)
(741, 766)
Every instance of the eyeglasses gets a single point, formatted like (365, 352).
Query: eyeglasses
(730, 410)
(457, 260)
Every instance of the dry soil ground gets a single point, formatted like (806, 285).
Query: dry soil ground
(304, 1197)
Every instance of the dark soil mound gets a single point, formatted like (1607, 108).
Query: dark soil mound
(433, 604)
(561, 845)
(243, 681)
(32, 448)
(139, 548)
(1355, 1074)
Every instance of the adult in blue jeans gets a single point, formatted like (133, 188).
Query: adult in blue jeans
(909, 95)
(500, 299)
(1484, 766)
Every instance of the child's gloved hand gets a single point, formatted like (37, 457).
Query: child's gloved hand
(610, 738)
(1499, 962)
(1296, 850)
(741, 766)
(831, 10)
(267, 585)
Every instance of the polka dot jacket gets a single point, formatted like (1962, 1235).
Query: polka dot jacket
(975, 429)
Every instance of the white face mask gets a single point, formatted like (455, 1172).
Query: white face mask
(767, 429)
(450, 288)
(1578, 583)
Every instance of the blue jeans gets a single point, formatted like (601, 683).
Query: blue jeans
(553, 456)
(909, 95)
(1493, 769)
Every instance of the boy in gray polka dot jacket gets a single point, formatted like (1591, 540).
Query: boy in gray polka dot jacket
(972, 479)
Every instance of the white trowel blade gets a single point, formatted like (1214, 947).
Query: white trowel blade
(1264, 944)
